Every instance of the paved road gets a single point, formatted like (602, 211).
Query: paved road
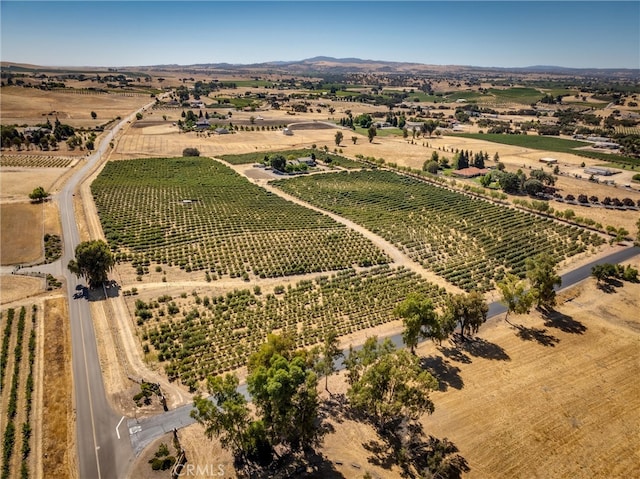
(144, 431)
(104, 452)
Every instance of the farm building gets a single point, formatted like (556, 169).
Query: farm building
(202, 124)
(597, 170)
(607, 144)
(549, 161)
(470, 172)
(222, 131)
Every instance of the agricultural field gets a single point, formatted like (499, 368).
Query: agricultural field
(17, 382)
(328, 158)
(550, 143)
(199, 215)
(36, 161)
(196, 336)
(470, 242)
(73, 107)
(21, 233)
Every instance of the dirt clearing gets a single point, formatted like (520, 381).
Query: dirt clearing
(22, 233)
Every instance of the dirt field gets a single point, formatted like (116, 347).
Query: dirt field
(22, 232)
(32, 106)
(554, 399)
(17, 183)
(15, 287)
(58, 435)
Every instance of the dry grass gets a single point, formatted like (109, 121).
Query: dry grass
(58, 427)
(563, 405)
(17, 183)
(14, 287)
(21, 233)
(32, 106)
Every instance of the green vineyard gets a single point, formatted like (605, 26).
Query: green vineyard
(198, 214)
(471, 242)
(200, 336)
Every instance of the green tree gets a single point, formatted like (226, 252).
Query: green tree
(371, 133)
(226, 415)
(431, 167)
(533, 187)
(514, 295)
(278, 162)
(387, 384)
(509, 182)
(330, 351)
(338, 138)
(190, 152)
(285, 395)
(283, 386)
(94, 115)
(38, 194)
(420, 320)
(93, 261)
(543, 279)
(354, 139)
(469, 311)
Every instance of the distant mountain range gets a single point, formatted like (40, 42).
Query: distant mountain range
(328, 65)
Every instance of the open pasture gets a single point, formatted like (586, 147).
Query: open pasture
(199, 336)
(22, 231)
(32, 106)
(470, 242)
(198, 214)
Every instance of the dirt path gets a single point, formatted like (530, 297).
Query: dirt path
(398, 258)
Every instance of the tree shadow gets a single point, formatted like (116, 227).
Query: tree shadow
(407, 446)
(563, 322)
(455, 354)
(446, 373)
(609, 285)
(482, 348)
(536, 334)
(306, 464)
(111, 288)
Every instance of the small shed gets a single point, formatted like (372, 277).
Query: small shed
(287, 132)
(222, 131)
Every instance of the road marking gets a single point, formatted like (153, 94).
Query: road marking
(118, 432)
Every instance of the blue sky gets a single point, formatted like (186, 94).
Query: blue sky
(479, 33)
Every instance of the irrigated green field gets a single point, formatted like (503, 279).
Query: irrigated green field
(470, 242)
(198, 214)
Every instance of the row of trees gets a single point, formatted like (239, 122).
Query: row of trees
(387, 387)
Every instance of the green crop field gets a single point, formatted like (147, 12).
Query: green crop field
(536, 142)
(199, 336)
(470, 242)
(551, 143)
(198, 214)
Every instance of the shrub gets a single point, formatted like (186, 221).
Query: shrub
(190, 152)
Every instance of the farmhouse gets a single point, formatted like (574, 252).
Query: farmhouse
(549, 161)
(470, 172)
(202, 124)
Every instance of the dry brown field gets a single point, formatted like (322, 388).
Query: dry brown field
(31, 106)
(58, 428)
(22, 231)
(16, 287)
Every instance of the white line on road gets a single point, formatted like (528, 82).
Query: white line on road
(118, 432)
